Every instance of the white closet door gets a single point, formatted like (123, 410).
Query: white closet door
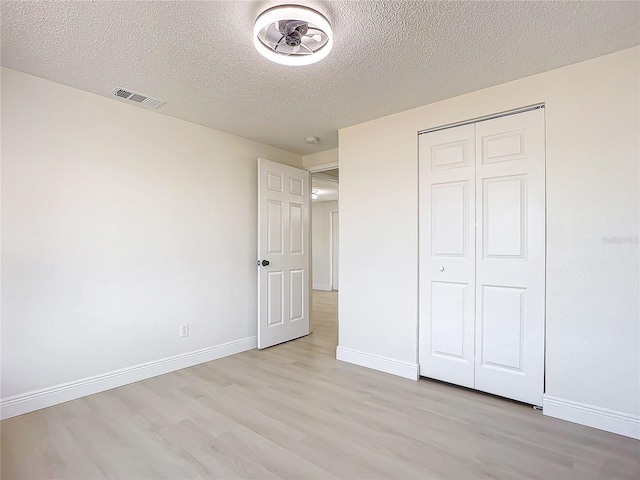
(447, 251)
(510, 256)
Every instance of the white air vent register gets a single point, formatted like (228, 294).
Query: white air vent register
(138, 98)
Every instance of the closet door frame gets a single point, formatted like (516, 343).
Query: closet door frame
(537, 260)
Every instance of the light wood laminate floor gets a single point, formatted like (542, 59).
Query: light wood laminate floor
(293, 411)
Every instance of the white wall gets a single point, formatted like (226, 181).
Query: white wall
(118, 225)
(321, 243)
(328, 157)
(593, 335)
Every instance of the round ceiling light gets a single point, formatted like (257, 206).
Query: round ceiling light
(292, 35)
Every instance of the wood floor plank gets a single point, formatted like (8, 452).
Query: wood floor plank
(293, 411)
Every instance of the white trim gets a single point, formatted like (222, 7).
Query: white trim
(484, 118)
(377, 362)
(597, 417)
(324, 167)
(322, 286)
(46, 397)
(331, 212)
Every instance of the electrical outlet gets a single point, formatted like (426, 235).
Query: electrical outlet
(184, 330)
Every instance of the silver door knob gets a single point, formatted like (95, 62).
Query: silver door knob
(442, 269)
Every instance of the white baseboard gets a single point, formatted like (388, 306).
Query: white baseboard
(321, 286)
(592, 416)
(37, 399)
(376, 362)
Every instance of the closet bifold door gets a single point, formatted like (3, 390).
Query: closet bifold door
(447, 254)
(510, 256)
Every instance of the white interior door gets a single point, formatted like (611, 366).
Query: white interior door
(334, 250)
(447, 255)
(283, 252)
(510, 256)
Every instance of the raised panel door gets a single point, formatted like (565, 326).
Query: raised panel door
(510, 256)
(447, 251)
(283, 253)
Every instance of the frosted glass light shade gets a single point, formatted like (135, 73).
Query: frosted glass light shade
(290, 12)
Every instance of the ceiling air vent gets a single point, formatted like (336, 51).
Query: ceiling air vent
(137, 97)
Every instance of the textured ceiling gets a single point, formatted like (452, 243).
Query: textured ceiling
(389, 56)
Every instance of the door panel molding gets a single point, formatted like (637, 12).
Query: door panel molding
(447, 251)
(482, 225)
(283, 253)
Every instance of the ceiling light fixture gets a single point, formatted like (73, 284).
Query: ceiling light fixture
(292, 35)
(312, 140)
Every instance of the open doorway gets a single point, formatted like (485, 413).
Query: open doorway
(324, 230)
(325, 253)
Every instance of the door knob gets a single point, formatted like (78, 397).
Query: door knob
(265, 263)
(442, 269)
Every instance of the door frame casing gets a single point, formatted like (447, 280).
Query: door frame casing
(323, 168)
(331, 247)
